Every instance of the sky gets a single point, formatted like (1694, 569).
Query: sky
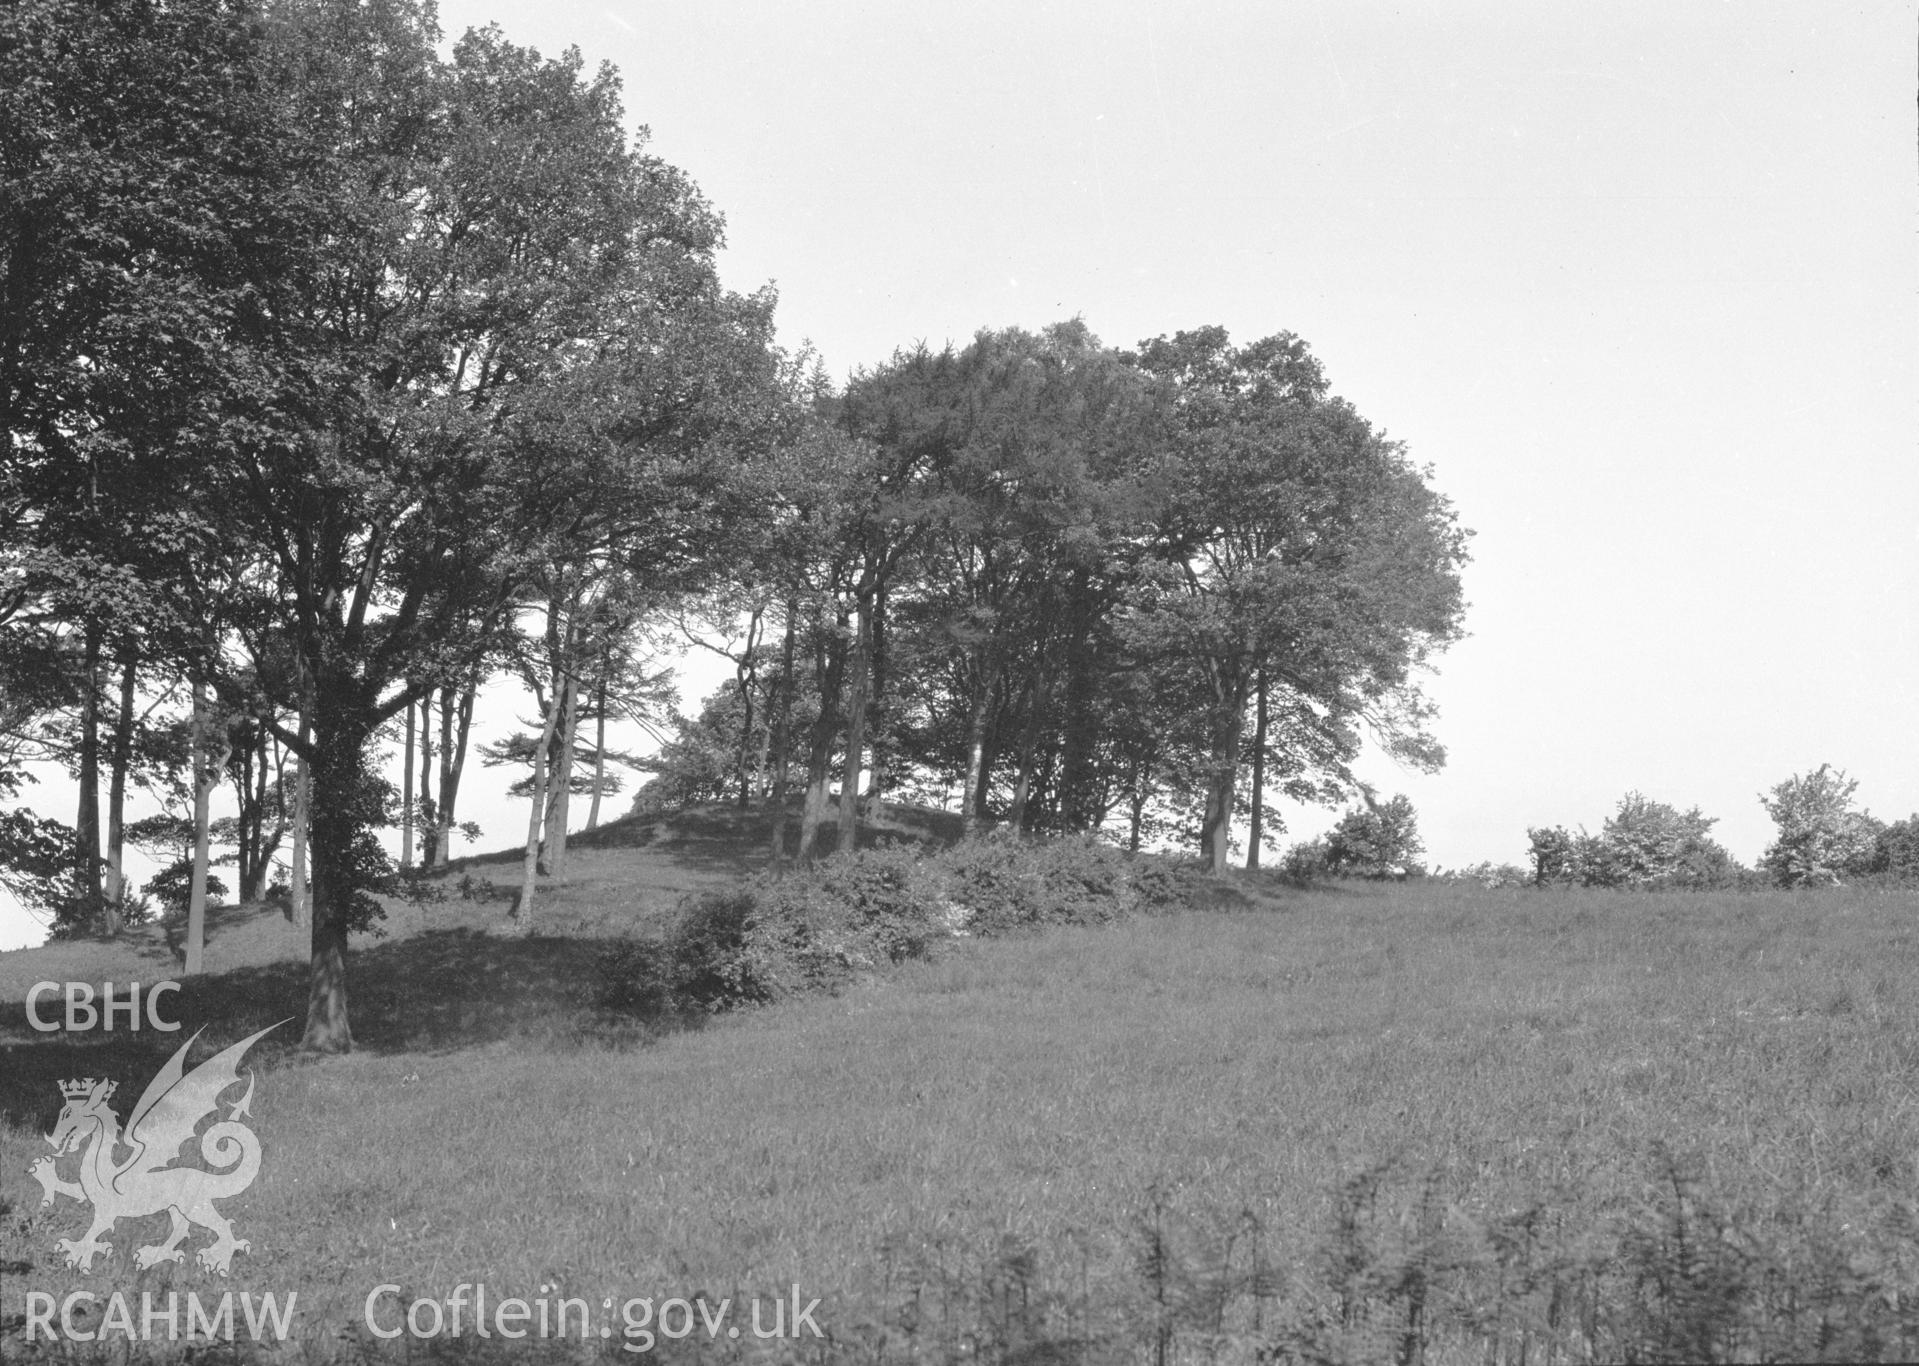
(1637, 281)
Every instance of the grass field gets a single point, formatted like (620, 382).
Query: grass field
(1423, 1121)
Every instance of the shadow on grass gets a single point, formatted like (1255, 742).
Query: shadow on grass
(437, 992)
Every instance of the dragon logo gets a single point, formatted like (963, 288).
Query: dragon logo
(169, 1110)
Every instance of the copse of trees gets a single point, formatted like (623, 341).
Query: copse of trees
(340, 376)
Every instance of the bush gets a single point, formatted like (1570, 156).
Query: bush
(633, 977)
(1821, 838)
(172, 887)
(1491, 875)
(1162, 884)
(704, 951)
(1010, 883)
(1307, 861)
(1376, 840)
(815, 928)
(1644, 844)
(1896, 853)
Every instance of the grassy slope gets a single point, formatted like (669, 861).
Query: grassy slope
(979, 1152)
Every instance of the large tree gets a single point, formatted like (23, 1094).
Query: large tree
(1299, 550)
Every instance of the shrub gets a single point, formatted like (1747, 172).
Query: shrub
(1821, 838)
(1650, 844)
(1307, 861)
(1376, 840)
(815, 928)
(1644, 844)
(633, 977)
(1011, 883)
(172, 887)
(704, 950)
(1555, 854)
(1162, 884)
(1896, 853)
(1489, 874)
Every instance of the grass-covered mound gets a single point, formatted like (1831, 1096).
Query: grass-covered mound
(814, 928)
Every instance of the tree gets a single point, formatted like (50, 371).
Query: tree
(1376, 840)
(1820, 837)
(1293, 543)
(494, 323)
(136, 179)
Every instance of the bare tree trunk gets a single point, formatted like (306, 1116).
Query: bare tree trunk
(876, 808)
(522, 914)
(86, 825)
(599, 750)
(1028, 750)
(342, 733)
(989, 753)
(1216, 829)
(205, 775)
(782, 728)
(831, 660)
(259, 859)
(972, 796)
(301, 908)
(429, 817)
(406, 793)
(121, 760)
(856, 700)
(560, 789)
(1256, 833)
(746, 677)
(453, 760)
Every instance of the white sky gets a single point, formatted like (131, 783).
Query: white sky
(1639, 280)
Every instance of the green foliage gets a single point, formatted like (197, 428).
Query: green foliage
(36, 860)
(1645, 844)
(1308, 861)
(172, 887)
(1896, 855)
(1820, 839)
(1376, 840)
(1006, 883)
(1489, 874)
(815, 928)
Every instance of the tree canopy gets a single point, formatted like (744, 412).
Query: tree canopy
(339, 375)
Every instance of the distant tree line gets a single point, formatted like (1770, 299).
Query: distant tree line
(1821, 840)
(339, 377)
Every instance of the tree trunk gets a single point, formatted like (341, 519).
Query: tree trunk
(299, 896)
(989, 750)
(253, 880)
(559, 802)
(1216, 829)
(204, 771)
(856, 700)
(522, 912)
(1256, 831)
(86, 825)
(782, 733)
(876, 806)
(342, 731)
(972, 806)
(406, 793)
(599, 750)
(1028, 750)
(453, 761)
(121, 760)
(831, 661)
(429, 817)
(746, 678)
